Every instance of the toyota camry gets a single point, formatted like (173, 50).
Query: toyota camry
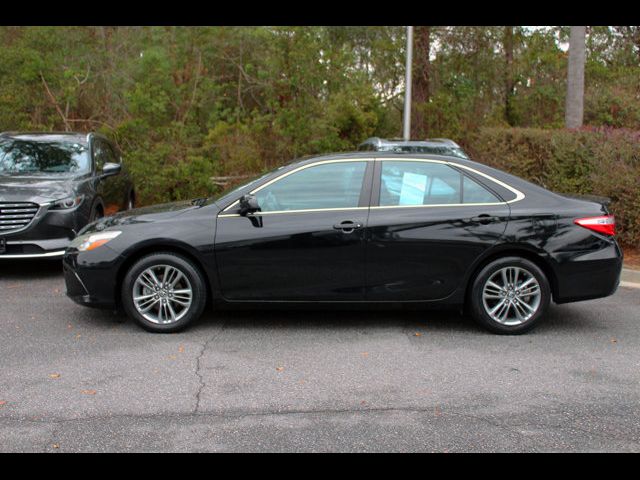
(364, 228)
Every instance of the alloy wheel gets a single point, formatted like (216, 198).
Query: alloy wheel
(511, 295)
(162, 294)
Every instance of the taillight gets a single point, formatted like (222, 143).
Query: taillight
(604, 224)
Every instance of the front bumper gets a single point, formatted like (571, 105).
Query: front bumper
(45, 255)
(49, 234)
(91, 277)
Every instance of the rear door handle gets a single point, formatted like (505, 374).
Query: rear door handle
(484, 219)
(347, 226)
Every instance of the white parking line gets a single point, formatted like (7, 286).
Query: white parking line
(629, 284)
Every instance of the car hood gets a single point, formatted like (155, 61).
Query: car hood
(153, 213)
(34, 189)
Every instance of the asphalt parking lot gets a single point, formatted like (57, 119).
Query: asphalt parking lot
(73, 379)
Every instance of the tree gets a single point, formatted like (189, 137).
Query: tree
(509, 84)
(574, 110)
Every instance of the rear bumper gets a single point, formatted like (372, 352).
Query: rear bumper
(589, 275)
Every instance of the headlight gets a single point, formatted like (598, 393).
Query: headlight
(67, 203)
(91, 241)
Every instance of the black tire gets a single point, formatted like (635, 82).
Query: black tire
(183, 265)
(96, 214)
(477, 302)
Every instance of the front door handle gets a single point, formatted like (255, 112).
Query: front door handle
(347, 226)
(484, 219)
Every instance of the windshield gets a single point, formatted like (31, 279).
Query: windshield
(24, 157)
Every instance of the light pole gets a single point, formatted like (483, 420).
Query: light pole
(407, 86)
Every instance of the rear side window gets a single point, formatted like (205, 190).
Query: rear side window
(473, 192)
(428, 183)
(329, 185)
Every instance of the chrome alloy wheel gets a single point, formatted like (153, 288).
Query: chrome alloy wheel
(162, 294)
(511, 296)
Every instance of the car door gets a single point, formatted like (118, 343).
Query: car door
(307, 241)
(110, 188)
(428, 222)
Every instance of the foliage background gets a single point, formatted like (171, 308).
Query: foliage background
(189, 103)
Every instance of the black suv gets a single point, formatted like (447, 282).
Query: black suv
(434, 146)
(52, 185)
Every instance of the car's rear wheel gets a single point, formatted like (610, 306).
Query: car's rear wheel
(510, 295)
(164, 292)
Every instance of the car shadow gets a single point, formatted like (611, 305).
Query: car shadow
(560, 320)
(330, 319)
(27, 268)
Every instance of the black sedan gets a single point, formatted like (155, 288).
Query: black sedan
(54, 184)
(367, 228)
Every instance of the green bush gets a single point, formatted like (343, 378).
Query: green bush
(600, 161)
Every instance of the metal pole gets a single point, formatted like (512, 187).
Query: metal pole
(407, 85)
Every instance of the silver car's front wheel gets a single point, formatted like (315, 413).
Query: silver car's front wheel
(511, 295)
(162, 294)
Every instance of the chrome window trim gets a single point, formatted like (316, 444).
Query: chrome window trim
(291, 172)
(519, 195)
(309, 210)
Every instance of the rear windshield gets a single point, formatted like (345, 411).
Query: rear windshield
(28, 157)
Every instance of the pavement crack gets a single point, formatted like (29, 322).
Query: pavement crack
(201, 383)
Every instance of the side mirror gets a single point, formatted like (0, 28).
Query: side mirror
(110, 169)
(248, 204)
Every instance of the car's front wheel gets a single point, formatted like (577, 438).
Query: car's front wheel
(164, 292)
(510, 295)
(96, 214)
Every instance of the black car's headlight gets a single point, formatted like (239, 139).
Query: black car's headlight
(91, 241)
(67, 203)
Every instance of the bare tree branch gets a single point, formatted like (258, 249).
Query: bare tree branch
(56, 104)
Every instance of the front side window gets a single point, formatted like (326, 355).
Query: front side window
(428, 183)
(34, 157)
(112, 155)
(329, 185)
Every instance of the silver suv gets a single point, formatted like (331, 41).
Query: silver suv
(436, 146)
